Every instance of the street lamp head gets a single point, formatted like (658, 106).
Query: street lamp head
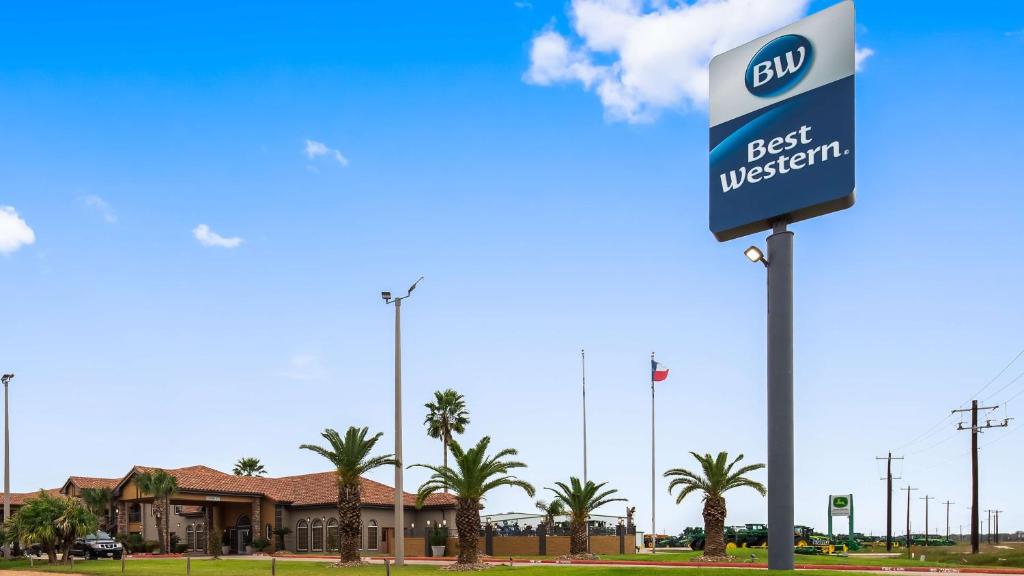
(754, 254)
(413, 287)
(7, 378)
(386, 296)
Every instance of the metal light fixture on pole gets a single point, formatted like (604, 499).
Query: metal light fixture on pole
(399, 492)
(583, 375)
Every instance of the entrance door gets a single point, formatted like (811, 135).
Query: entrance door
(243, 537)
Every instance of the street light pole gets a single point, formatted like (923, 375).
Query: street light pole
(399, 491)
(780, 392)
(6, 378)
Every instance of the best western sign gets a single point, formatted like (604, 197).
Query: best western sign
(781, 116)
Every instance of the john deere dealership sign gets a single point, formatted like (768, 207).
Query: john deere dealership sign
(840, 505)
(781, 116)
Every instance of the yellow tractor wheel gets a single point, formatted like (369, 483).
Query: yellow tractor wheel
(801, 543)
(730, 546)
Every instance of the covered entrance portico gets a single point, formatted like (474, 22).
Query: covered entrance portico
(203, 521)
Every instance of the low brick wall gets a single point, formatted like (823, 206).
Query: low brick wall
(516, 546)
(606, 545)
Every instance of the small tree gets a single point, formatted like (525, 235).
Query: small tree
(446, 415)
(351, 459)
(249, 467)
(550, 510)
(581, 499)
(52, 522)
(100, 502)
(475, 474)
(161, 486)
(718, 478)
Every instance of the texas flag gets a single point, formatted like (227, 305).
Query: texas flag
(658, 372)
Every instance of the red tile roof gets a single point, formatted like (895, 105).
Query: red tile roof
(19, 498)
(304, 490)
(87, 482)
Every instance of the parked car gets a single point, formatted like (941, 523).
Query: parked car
(97, 545)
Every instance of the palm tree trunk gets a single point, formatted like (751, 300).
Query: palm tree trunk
(467, 520)
(714, 526)
(578, 537)
(349, 527)
(159, 514)
(444, 444)
(167, 523)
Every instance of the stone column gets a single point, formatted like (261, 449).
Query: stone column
(257, 523)
(213, 530)
(122, 518)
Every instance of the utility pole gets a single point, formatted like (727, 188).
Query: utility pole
(947, 503)
(888, 499)
(583, 375)
(988, 539)
(997, 513)
(975, 428)
(926, 499)
(909, 490)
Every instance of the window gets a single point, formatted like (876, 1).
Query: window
(332, 535)
(371, 535)
(200, 537)
(177, 510)
(302, 536)
(318, 535)
(134, 512)
(190, 537)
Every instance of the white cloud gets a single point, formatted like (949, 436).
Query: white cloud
(860, 55)
(316, 149)
(641, 58)
(102, 207)
(304, 366)
(14, 231)
(208, 237)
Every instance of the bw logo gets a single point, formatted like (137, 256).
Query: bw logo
(779, 65)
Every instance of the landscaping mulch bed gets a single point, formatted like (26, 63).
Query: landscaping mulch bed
(457, 567)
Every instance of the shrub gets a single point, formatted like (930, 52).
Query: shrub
(151, 546)
(260, 544)
(438, 537)
(180, 548)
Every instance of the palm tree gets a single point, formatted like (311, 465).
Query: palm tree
(550, 510)
(53, 522)
(161, 486)
(75, 521)
(249, 467)
(99, 501)
(475, 475)
(719, 477)
(446, 415)
(351, 458)
(581, 499)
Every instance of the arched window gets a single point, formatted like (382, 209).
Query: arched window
(332, 534)
(302, 536)
(318, 535)
(371, 535)
(200, 537)
(190, 537)
(243, 521)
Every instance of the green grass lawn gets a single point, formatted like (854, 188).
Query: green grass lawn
(935, 556)
(204, 567)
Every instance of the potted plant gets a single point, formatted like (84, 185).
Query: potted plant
(438, 540)
(247, 540)
(225, 541)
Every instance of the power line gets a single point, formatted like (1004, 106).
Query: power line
(996, 377)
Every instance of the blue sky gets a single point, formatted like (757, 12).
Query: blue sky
(544, 218)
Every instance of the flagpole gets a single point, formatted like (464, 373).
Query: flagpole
(583, 367)
(654, 532)
(583, 364)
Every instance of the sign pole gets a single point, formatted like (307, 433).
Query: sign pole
(780, 398)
